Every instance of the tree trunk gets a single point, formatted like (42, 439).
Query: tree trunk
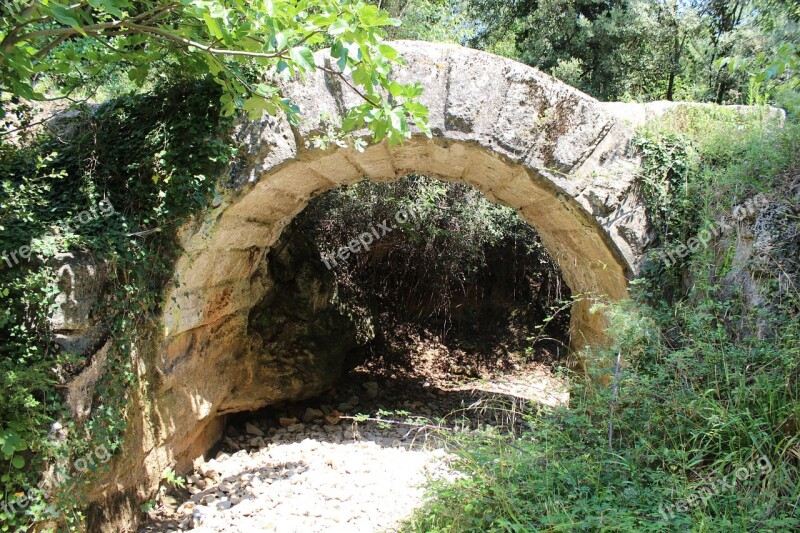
(721, 91)
(670, 86)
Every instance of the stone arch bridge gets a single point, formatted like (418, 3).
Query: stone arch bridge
(559, 157)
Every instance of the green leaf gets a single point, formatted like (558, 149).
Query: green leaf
(388, 52)
(280, 41)
(138, 75)
(18, 462)
(213, 26)
(65, 17)
(254, 107)
(109, 6)
(303, 58)
(340, 52)
(339, 27)
(395, 89)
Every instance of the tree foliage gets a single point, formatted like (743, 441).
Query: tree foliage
(699, 50)
(72, 45)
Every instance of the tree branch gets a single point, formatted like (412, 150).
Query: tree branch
(347, 82)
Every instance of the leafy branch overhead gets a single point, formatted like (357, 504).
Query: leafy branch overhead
(236, 42)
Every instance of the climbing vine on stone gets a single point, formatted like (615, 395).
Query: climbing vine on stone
(153, 158)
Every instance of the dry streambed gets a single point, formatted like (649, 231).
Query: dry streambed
(310, 467)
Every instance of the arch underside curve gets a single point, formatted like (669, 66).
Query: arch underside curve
(521, 137)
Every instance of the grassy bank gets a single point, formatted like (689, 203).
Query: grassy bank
(704, 433)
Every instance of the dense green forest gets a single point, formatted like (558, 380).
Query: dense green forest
(711, 382)
(704, 51)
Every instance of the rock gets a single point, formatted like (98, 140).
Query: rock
(372, 389)
(198, 498)
(231, 443)
(762, 234)
(198, 515)
(285, 422)
(186, 508)
(209, 468)
(257, 442)
(333, 418)
(312, 414)
(253, 430)
(223, 505)
(80, 280)
(170, 501)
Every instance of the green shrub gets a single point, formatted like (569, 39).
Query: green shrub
(151, 158)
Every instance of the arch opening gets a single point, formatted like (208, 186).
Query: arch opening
(223, 275)
(418, 278)
(423, 266)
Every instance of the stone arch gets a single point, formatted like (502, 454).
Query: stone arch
(521, 137)
(218, 273)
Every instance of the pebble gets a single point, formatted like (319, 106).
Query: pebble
(312, 414)
(309, 470)
(284, 421)
(223, 505)
(253, 429)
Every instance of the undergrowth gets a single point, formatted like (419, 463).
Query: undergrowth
(473, 264)
(704, 432)
(139, 165)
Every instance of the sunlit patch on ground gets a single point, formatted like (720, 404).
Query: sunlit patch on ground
(320, 466)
